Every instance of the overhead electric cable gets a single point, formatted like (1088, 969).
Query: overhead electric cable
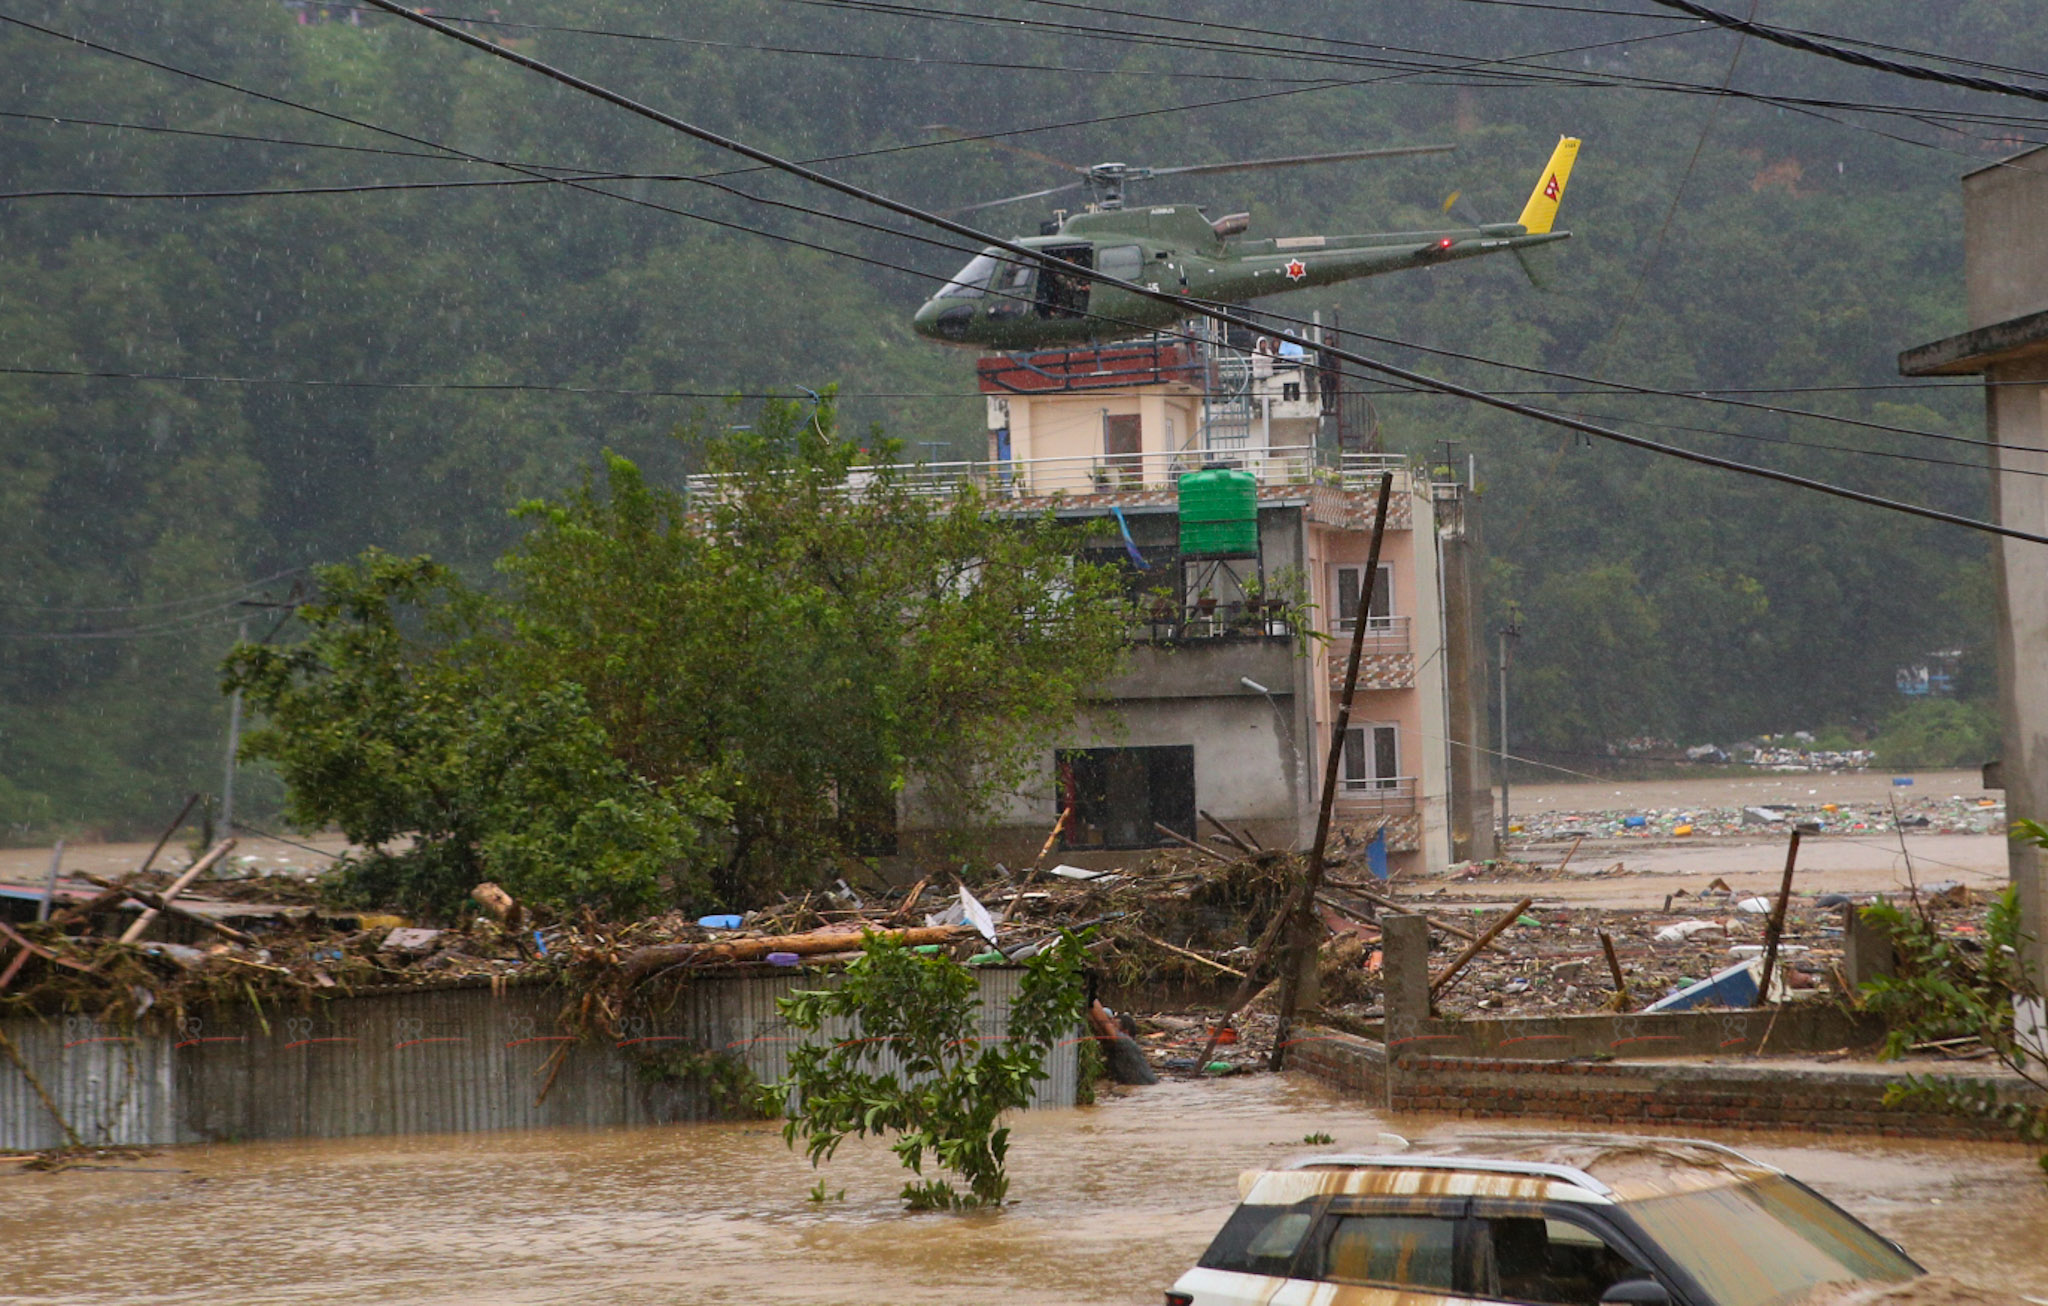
(916, 214)
(234, 593)
(1827, 50)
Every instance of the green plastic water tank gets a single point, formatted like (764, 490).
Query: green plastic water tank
(1219, 514)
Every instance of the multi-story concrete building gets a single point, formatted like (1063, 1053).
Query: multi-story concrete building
(1231, 694)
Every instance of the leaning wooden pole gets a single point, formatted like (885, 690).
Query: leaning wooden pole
(1775, 929)
(1303, 925)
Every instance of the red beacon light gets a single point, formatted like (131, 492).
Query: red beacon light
(1446, 243)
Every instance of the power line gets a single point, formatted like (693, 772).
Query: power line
(960, 229)
(234, 593)
(841, 253)
(1827, 50)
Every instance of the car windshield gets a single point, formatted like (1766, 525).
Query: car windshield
(970, 281)
(1766, 1243)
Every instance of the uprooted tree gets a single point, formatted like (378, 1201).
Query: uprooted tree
(683, 699)
(1946, 988)
(916, 1064)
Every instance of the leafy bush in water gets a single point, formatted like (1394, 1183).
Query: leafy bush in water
(1943, 990)
(949, 1089)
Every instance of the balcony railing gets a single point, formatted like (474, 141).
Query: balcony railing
(1165, 621)
(1382, 635)
(1154, 470)
(1377, 796)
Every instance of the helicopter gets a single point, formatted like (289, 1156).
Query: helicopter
(998, 301)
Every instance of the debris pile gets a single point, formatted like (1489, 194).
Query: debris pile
(1952, 814)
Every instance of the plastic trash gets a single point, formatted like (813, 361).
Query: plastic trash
(986, 959)
(1634, 822)
(727, 922)
(1684, 930)
(783, 959)
(927, 949)
(1682, 830)
(1733, 987)
(1081, 873)
(1902, 781)
(1754, 906)
(977, 915)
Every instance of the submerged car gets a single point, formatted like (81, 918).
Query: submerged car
(1578, 1221)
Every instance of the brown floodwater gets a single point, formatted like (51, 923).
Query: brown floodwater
(1109, 1204)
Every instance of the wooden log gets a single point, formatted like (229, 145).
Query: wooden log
(27, 946)
(1230, 836)
(148, 899)
(642, 962)
(1621, 998)
(1051, 839)
(1188, 953)
(1350, 886)
(1452, 971)
(902, 913)
(1182, 839)
(178, 886)
(1775, 928)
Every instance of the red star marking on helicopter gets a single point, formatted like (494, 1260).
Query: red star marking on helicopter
(1550, 188)
(1296, 269)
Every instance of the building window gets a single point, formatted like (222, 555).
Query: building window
(1123, 444)
(1380, 614)
(1372, 757)
(1119, 796)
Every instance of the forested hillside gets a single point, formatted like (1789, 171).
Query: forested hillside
(399, 366)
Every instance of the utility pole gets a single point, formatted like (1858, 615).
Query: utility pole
(227, 784)
(1513, 630)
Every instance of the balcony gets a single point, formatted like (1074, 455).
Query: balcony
(1165, 622)
(1391, 796)
(1156, 471)
(1382, 635)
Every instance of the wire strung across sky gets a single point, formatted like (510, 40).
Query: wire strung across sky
(1438, 387)
(1228, 317)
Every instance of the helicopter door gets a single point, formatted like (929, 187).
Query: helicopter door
(1062, 294)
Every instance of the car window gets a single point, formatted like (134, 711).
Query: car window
(1765, 1243)
(1529, 1258)
(1401, 1251)
(1260, 1240)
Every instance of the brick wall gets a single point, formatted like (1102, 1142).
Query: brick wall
(1668, 1095)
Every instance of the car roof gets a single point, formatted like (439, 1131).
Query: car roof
(1587, 1168)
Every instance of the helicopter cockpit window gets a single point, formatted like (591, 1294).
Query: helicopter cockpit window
(1012, 289)
(1124, 262)
(970, 281)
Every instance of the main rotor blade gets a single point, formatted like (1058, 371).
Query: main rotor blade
(1011, 199)
(1246, 165)
(962, 134)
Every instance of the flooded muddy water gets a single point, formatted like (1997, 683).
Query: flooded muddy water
(1109, 1205)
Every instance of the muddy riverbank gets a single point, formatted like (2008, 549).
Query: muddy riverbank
(1111, 1203)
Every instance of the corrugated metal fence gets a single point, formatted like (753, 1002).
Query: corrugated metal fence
(425, 1061)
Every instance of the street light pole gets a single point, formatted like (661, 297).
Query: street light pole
(1513, 630)
(227, 784)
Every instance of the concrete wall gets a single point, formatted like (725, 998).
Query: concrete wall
(2006, 270)
(1674, 1096)
(449, 1060)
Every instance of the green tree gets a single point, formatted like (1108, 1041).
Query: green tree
(682, 699)
(1938, 732)
(948, 1085)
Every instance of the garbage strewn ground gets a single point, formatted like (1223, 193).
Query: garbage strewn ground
(1174, 931)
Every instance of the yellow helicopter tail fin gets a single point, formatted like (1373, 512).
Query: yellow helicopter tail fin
(1541, 210)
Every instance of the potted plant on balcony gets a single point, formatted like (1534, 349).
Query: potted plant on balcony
(1205, 603)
